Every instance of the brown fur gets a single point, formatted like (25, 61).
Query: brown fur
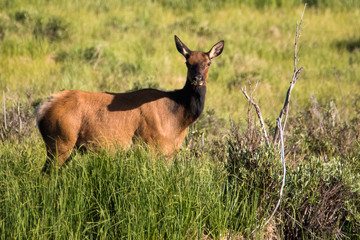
(95, 119)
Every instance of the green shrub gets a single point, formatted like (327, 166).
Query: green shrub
(54, 29)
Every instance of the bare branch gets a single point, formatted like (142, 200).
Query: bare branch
(280, 126)
(285, 110)
(287, 100)
(258, 112)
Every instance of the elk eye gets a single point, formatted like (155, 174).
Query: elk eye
(209, 63)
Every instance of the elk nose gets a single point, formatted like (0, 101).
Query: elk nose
(198, 78)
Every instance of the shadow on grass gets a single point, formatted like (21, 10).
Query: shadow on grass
(349, 44)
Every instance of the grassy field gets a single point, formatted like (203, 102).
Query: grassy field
(225, 187)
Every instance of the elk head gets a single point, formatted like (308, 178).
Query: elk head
(198, 63)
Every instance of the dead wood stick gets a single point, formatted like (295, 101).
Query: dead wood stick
(296, 73)
(258, 112)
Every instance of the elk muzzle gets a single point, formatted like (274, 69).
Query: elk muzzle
(198, 80)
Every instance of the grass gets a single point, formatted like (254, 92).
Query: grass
(48, 47)
(224, 182)
(126, 197)
(226, 188)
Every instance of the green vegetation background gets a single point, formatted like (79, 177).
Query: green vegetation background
(226, 186)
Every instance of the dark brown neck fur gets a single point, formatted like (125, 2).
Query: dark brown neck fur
(192, 99)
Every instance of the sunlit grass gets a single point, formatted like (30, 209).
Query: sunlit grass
(139, 39)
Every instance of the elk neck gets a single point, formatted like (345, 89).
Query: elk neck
(192, 99)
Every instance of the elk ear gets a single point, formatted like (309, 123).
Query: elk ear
(182, 48)
(216, 50)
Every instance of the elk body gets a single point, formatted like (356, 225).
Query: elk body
(78, 119)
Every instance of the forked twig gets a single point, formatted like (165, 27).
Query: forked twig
(285, 110)
(280, 126)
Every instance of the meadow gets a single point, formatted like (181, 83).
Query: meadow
(224, 182)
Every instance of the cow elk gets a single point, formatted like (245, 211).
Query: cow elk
(78, 119)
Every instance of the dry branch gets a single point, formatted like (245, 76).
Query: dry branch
(280, 126)
(285, 110)
(279, 131)
(258, 112)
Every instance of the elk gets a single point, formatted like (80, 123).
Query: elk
(78, 119)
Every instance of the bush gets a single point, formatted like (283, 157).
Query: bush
(54, 29)
(318, 131)
(321, 195)
(18, 118)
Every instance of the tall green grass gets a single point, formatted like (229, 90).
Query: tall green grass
(129, 196)
(226, 188)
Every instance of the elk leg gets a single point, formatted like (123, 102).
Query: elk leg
(57, 150)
